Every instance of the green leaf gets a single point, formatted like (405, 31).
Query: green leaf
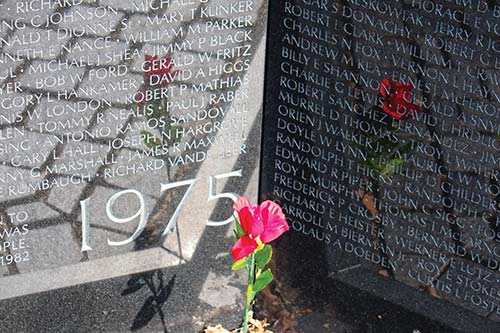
(263, 257)
(238, 232)
(405, 148)
(239, 264)
(176, 132)
(157, 111)
(263, 280)
(239, 229)
(392, 166)
(373, 163)
(151, 142)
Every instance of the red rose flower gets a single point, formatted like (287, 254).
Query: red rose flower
(396, 101)
(157, 66)
(140, 96)
(261, 224)
(161, 67)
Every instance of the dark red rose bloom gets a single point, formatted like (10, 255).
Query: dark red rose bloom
(396, 99)
(162, 67)
(157, 66)
(140, 96)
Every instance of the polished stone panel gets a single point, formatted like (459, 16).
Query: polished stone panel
(381, 141)
(126, 130)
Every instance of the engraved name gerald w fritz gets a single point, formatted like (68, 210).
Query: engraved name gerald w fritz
(142, 212)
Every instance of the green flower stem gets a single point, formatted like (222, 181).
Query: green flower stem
(250, 294)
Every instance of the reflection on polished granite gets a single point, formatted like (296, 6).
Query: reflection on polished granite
(154, 283)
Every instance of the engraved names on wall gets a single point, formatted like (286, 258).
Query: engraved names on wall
(427, 211)
(103, 104)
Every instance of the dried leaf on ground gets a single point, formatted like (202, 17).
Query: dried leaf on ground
(216, 329)
(255, 326)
